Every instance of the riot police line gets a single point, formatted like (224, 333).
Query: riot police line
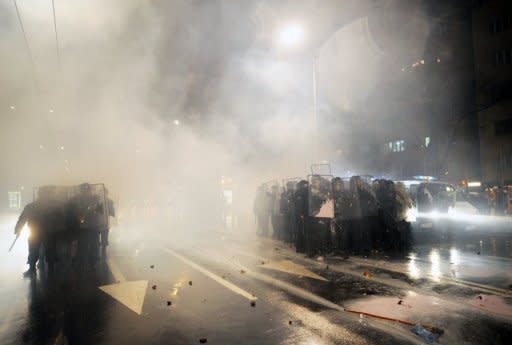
(324, 214)
(67, 224)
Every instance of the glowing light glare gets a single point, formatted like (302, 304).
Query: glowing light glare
(411, 214)
(474, 184)
(454, 256)
(435, 268)
(414, 271)
(50, 111)
(25, 233)
(290, 34)
(62, 148)
(176, 122)
(12, 107)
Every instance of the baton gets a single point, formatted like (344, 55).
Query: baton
(14, 242)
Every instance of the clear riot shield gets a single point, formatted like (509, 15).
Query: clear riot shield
(267, 186)
(320, 196)
(89, 205)
(321, 169)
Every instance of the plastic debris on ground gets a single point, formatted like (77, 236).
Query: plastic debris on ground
(426, 335)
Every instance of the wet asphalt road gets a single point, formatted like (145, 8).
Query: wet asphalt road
(234, 288)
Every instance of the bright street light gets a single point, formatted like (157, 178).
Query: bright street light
(290, 35)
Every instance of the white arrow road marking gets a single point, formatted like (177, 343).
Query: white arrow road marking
(289, 266)
(213, 276)
(129, 293)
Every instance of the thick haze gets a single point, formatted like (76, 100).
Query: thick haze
(130, 69)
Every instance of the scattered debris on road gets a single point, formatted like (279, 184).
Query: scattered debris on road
(203, 340)
(154, 287)
(426, 335)
(169, 303)
(190, 282)
(253, 304)
(242, 271)
(152, 266)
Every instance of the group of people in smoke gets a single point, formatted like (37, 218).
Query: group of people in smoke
(56, 217)
(335, 215)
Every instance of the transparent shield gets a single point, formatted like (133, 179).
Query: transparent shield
(90, 206)
(320, 196)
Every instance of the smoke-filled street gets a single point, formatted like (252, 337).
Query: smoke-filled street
(159, 287)
(255, 172)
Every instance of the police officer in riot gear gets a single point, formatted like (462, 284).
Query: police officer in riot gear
(341, 223)
(403, 227)
(32, 215)
(300, 202)
(262, 211)
(275, 213)
(318, 234)
(369, 215)
(41, 217)
(85, 210)
(288, 210)
(104, 232)
(387, 201)
(354, 216)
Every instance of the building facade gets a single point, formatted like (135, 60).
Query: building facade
(492, 37)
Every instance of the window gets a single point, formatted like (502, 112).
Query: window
(500, 24)
(427, 141)
(14, 200)
(395, 146)
(503, 127)
(503, 57)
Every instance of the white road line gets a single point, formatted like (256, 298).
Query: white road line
(118, 276)
(213, 276)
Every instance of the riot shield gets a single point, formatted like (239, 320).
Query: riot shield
(321, 169)
(89, 204)
(320, 196)
(267, 185)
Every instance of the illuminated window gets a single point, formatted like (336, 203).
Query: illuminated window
(14, 200)
(395, 146)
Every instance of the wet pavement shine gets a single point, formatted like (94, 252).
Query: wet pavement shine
(160, 286)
